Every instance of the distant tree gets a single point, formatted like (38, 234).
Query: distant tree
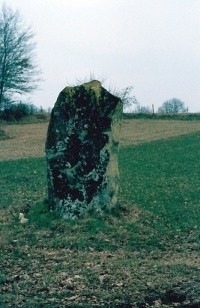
(142, 109)
(173, 105)
(127, 98)
(18, 70)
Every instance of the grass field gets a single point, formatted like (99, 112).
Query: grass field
(144, 254)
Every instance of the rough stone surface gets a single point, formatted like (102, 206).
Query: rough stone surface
(82, 150)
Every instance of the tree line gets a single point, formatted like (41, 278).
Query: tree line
(174, 105)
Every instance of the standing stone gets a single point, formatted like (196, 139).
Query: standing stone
(82, 150)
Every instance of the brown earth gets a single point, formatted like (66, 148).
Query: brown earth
(140, 131)
(28, 140)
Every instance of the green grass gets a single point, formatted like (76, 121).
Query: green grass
(145, 252)
(163, 178)
(23, 182)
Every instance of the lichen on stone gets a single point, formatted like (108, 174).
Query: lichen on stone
(82, 150)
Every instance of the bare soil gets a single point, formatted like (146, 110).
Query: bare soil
(140, 131)
(28, 140)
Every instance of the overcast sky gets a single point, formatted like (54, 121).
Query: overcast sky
(152, 45)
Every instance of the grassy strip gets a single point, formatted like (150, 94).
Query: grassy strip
(144, 252)
(164, 116)
(34, 118)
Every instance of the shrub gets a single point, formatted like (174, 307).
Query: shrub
(17, 111)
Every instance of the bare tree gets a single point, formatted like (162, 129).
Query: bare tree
(142, 109)
(18, 69)
(127, 98)
(173, 105)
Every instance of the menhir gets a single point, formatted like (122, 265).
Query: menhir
(82, 150)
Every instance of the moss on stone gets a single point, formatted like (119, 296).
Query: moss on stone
(82, 150)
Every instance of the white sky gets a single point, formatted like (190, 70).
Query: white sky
(152, 45)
